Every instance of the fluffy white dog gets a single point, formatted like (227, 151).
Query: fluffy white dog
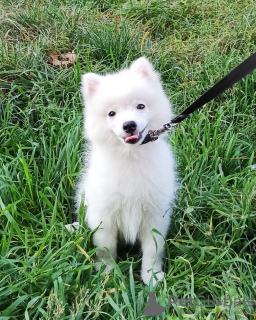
(128, 187)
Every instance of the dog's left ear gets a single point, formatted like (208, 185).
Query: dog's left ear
(144, 68)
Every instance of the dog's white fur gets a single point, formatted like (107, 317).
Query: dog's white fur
(128, 188)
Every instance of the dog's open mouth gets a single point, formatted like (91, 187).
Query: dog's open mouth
(132, 139)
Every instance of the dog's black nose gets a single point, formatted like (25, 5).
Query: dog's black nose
(129, 126)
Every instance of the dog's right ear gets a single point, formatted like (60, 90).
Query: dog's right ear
(89, 83)
(144, 68)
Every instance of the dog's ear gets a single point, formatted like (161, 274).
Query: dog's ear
(144, 68)
(89, 83)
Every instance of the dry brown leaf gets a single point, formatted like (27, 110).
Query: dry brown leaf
(67, 59)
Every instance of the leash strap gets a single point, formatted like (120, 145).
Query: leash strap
(227, 82)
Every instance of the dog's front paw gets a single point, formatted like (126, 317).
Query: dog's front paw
(156, 276)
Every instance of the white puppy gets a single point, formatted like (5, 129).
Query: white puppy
(128, 187)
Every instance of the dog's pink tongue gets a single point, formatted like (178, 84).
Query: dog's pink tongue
(135, 136)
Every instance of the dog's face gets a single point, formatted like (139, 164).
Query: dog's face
(121, 108)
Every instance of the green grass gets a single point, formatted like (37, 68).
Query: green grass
(46, 272)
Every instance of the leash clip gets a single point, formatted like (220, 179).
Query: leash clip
(153, 135)
(169, 125)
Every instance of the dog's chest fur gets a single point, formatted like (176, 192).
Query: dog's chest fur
(133, 187)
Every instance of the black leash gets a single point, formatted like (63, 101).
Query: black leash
(227, 82)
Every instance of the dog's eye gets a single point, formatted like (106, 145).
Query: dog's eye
(111, 113)
(140, 106)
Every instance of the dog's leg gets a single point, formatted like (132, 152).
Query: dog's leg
(152, 259)
(105, 237)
